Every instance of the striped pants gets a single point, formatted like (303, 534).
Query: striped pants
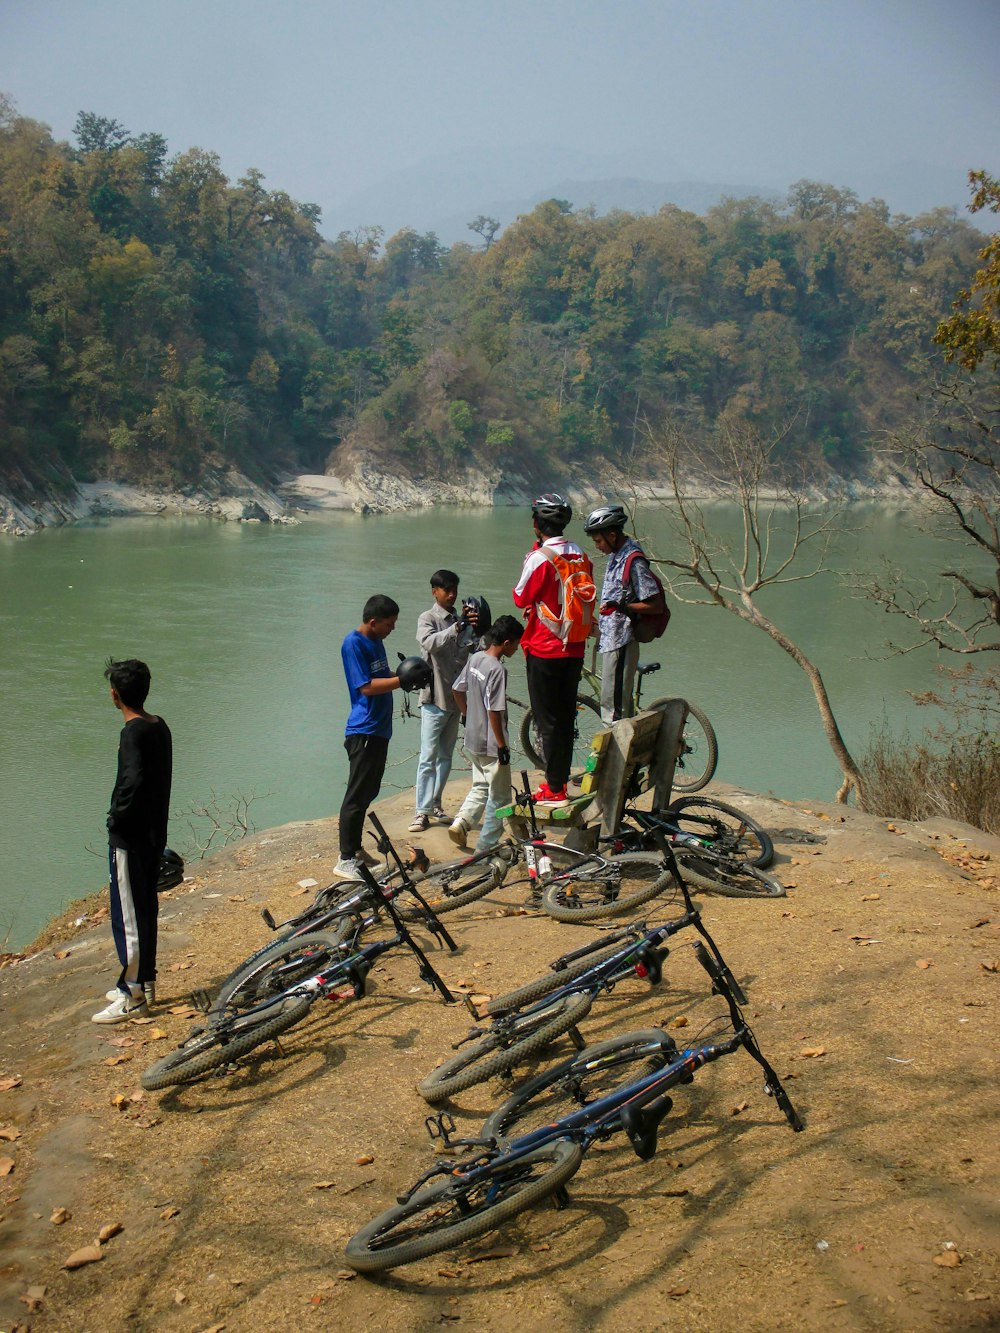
(134, 909)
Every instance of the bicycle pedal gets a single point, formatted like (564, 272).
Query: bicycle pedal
(268, 919)
(560, 1199)
(201, 1000)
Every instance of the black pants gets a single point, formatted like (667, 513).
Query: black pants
(366, 756)
(552, 686)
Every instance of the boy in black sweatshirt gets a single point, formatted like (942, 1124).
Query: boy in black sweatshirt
(137, 835)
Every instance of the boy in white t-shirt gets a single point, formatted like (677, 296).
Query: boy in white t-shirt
(481, 694)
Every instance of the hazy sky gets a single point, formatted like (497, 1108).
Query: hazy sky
(328, 97)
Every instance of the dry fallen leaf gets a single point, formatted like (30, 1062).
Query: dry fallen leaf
(7, 1165)
(924, 963)
(677, 1292)
(120, 1101)
(346, 1274)
(10, 1081)
(9, 1133)
(180, 1298)
(812, 1052)
(90, 1254)
(870, 897)
(59, 1216)
(324, 1184)
(365, 1160)
(60, 953)
(180, 967)
(949, 1259)
(156, 1034)
(991, 967)
(740, 1106)
(679, 1022)
(106, 1232)
(33, 1298)
(168, 1213)
(501, 1252)
(121, 1059)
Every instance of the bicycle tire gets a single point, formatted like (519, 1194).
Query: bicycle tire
(546, 984)
(454, 1212)
(211, 1048)
(445, 888)
(729, 877)
(590, 1074)
(274, 970)
(576, 899)
(495, 1053)
(585, 727)
(748, 840)
(699, 757)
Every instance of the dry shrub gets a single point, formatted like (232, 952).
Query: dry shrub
(956, 775)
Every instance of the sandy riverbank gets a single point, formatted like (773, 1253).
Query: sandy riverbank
(873, 990)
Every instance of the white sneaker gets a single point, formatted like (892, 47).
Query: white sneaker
(420, 823)
(347, 869)
(122, 1008)
(458, 832)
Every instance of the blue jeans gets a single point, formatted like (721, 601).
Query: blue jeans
(438, 734)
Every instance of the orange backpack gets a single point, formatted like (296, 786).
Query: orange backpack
(577, 598)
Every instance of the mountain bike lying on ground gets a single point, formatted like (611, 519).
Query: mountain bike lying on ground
(621, 1085)
(718, 847)
(528, 1018)
(277, 987)
(699, 752)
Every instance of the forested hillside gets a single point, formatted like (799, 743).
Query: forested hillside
(158, 321)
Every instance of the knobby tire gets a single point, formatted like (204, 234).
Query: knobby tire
(451, 1212)
(495, 1053)
(222, 1044)
(589, 1075)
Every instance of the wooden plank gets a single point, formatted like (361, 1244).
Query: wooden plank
(661, 775)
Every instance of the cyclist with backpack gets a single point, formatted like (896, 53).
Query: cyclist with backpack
(557, 594)
(633, 608)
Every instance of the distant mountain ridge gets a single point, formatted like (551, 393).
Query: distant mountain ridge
(444, 193)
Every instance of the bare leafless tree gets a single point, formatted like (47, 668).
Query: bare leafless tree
(784, 538)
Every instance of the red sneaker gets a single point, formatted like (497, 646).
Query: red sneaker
(546, 796)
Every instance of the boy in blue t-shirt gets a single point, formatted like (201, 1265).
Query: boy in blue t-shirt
(369, 725)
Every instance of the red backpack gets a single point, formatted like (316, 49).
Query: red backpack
(646, 628)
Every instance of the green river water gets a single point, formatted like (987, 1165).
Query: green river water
(241, 625)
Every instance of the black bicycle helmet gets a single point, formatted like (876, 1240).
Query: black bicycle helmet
(552, 508)
(470, 634)
(414, 673)
(607, 518)
(171, 872)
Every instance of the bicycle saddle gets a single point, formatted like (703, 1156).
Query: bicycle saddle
(641, 1123)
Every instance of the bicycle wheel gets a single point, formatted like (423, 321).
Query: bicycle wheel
(728, 876)
(729, 830)
(496, 1052)
(275, 970)
(454, 1210)
(222, 1044)
(578, 893)
(699, 756)
(457, 883)
(588, 723)
(593, 1073)
(545, 985)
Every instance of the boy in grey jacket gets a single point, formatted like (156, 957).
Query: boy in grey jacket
(438, 634)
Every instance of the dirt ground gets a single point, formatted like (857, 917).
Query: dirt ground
(873, 989)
